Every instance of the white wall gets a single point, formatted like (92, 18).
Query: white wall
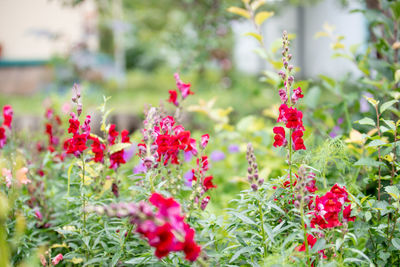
(21, 20)
(316, 53)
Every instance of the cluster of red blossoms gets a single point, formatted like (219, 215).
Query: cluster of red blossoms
(328, 207)
(116, 158)
(77, 144)
(171, 233)
(81, 134)
(170, 139)
(288, 114)
(329, 211)
(184, 89)
(6, 126)
(165, 229)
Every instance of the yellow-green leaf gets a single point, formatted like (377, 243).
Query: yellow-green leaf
(76, 260)
(262, 16)
(321, 34)
(255, 35)
(256, 4)
(397, 76)
(337, 45)
(239, 11)
(63, 245)
(119, 146)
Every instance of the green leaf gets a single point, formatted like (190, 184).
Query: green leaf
(243, 217)
(368, 216)
(319, 245)
(393, 191)
(119, 146)
(396, 243)
(366, 121)
(368, 162)
(240, 252)
(116, 258)
(387, 105)
(396, 9)
(328, 80)
(312, 97)
(376, 142)
(390, 123)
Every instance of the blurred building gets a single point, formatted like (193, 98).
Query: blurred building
(32, 32)
(313, 56)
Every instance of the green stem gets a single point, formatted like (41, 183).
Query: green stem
(290, 159)
(83, 200)
(126, 238)
(305, 232)
(262, 229)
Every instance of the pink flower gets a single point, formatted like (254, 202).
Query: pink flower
(184, 88)
(297, 94)
(204, 140)
(57, 259)
(283, 96)
(38, 214)
(204, 202)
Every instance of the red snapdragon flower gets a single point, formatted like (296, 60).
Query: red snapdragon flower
(297, 137)
(311, 240)
(112, 134)
(279, 137)
(3, 137)
(208, 184)
(347, 213)
(170, 233)
(98, 149)
(8, 116)
(73, 124)
(116, 159)
(173, 97)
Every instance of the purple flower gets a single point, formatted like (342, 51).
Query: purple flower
(233, 149)
(340, 120)
(129, 152)
(188, 178)
(335, 131)
(217, 155)
(140, 168)
(188, 156)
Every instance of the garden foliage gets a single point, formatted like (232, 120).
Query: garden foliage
(314, 194)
